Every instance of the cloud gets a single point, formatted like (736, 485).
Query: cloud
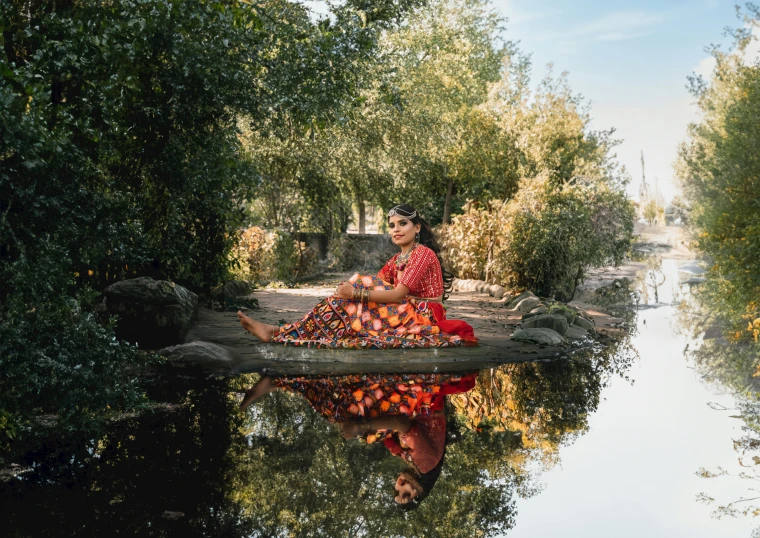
(615, 26)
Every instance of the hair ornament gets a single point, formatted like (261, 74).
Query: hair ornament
(398, 211)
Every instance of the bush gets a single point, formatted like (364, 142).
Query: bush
(264, 255)
(545, 239)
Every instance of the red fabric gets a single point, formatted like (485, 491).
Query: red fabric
(454, 326)
(422, 274)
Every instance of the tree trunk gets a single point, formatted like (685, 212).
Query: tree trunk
(362, 217)
(447, 204)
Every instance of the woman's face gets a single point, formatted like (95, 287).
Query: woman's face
(402, 230)
(405, 490)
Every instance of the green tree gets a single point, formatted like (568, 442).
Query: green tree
(718, 171)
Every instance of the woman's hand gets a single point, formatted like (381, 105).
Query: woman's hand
(345, 291)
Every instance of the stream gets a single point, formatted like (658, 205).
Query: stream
(608, 443)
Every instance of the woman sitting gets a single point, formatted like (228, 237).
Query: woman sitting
(400, 307)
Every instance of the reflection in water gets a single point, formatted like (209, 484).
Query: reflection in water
(203, 468)
(730, 365)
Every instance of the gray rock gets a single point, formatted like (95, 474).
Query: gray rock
(528, 304)
(496, 291)
(714, 331)
(542, 336)
(540, 309)
(583, 323)
(694, 281)
(152, 313)
(199, 354)
(555, 322)
(576, 333)
(563, 311)
(519, 298)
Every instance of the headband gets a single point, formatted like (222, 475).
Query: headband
(400, 212)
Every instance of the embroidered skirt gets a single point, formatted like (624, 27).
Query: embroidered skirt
(344, 323)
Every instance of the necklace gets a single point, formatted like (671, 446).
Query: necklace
(402, 259)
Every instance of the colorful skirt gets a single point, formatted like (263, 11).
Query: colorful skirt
(349, 397)
(344, 323)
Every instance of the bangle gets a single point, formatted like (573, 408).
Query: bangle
(366, 296)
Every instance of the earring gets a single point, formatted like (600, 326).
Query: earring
(390, 240)
(417, 237)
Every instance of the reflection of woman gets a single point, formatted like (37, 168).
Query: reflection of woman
(399, 307)
(405, 411)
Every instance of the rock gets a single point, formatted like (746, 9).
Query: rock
(232, 289)
(519, 298)
(199, 354)
(528, 304)
(693, 281)
(152, 313)
(563, 311)
(575, 332)
(542, 336)
(496, 291)
(555, 322)
(583, 323)
(540, 309)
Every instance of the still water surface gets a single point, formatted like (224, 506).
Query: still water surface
(605, 444)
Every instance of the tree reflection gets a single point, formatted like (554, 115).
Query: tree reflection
(731, 366)
(281, 469)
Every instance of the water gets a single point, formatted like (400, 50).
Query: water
(606, 444)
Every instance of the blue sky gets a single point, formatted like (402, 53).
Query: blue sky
(630, 60)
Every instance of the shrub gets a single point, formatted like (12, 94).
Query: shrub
(545, 239)
(272, 255)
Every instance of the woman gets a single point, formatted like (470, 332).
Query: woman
(400, 307)
(405, 411)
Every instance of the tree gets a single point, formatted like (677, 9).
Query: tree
(718, 170)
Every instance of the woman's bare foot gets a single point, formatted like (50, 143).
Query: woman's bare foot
(263, 387)
(262, 331)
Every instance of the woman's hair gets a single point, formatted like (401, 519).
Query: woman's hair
(427, 238)
(426, 480)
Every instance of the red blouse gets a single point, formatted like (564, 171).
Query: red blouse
(422, 274)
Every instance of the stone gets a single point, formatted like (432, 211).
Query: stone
(519, 298)
(206, 355)
(574, 332)
(541, 336)
(232, 289)
(563, 311)
(152, 313)
(496, 291)
(583, 323)
(528, 304)
(555, 322)
(540, 309)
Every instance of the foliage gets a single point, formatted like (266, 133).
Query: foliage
(544, 239)
(120, 157)
(719, 172)
(652, 212)
(677, 209)
(272, 255)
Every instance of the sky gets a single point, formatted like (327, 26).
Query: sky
(630, 60)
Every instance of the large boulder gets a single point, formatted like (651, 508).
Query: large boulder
(198, 354)
(152, 313)
(541, 336)
(516, 300)
(574, 332)
(563, 310)
(583, 323)
(528, 304)
(541, 309)
(496, 291)
(555, 322)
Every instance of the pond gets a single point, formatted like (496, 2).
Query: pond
(609, 442)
